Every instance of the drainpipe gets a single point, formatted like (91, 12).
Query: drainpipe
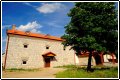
(6, 51)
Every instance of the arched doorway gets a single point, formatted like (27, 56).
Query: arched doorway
(47, 58)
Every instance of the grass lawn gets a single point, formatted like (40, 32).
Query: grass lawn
(21, 69)
(99, 72)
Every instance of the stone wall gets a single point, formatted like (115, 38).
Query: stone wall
(108, 56)
(83, 61)
(33, 53)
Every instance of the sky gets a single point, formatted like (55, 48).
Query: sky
(38, 17)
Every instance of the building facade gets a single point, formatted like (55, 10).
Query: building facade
(32, 50)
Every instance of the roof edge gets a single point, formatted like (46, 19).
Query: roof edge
(36, 35)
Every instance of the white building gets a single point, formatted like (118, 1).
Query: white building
(32, 50)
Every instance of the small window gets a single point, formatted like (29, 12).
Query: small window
(64, 48)
(24, 62)
(47, 47)
(25, 46)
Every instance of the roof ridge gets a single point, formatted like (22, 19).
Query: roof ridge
(31, 34)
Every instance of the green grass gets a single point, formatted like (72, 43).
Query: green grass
(21, 69)
(66, 66)
(99, 72)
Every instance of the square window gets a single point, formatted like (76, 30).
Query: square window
(25, 46)
(47, 47)
(24, 62)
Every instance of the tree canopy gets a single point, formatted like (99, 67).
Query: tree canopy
(93, 26)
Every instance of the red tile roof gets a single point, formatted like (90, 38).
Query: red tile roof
(49, 54)
(17, 32)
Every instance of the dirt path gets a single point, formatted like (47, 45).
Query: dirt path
(44, 73)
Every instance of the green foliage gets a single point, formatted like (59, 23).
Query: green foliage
(93, 25)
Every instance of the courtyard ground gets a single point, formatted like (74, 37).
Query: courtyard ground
(69, 71)
(42, 73)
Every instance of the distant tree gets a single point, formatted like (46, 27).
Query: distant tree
(93, 26)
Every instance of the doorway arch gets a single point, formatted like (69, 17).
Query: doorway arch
(47, 58)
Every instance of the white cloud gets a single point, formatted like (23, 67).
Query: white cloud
(50, 8)
(6, 26)
(31, 26)
(54, 24)
(47, 7)
(28, 4)
(35, 30)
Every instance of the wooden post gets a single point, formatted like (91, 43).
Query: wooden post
(101, 57)
(113, 60)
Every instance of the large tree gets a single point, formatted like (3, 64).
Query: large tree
(93, 26)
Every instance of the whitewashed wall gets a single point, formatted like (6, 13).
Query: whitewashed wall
(33, 54)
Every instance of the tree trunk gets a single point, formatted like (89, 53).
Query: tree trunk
(89, 61)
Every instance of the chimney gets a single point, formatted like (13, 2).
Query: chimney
(13, 26)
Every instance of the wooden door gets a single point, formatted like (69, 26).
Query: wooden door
(47, 62)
